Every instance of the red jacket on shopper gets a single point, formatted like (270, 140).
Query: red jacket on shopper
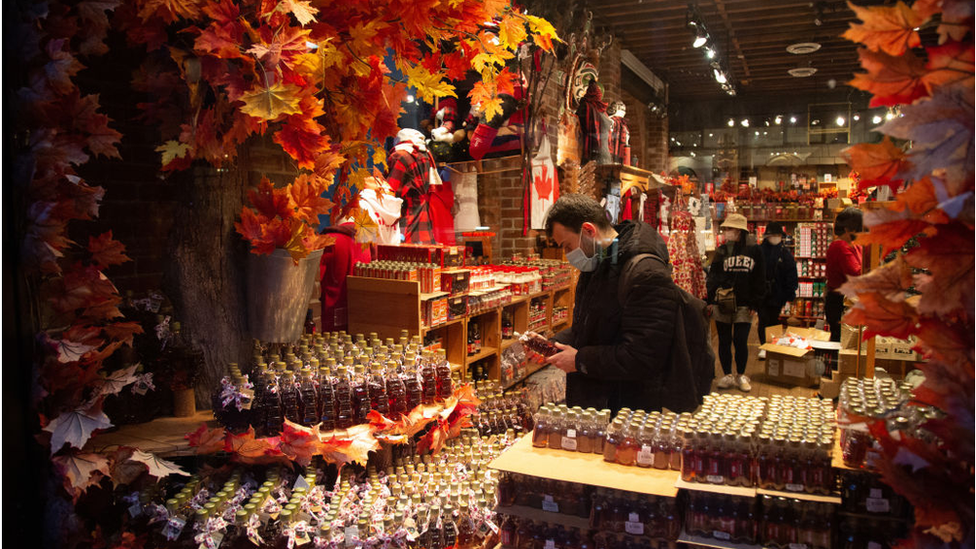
(843, 261)
(338, 261)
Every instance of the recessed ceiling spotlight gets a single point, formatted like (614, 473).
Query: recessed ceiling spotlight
(803, 48)
(876, 119)
(778, 120)
(802, 72)
(840, 121)
(792, 120)
(856, 117)
(745, 122)
(710, 53)
(731, 123)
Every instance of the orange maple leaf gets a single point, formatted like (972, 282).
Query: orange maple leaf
(207, 440)
(353, 446)
(891, 229)
(299, 443)
(269, 201)
(877, 164)
(883, 317)
(948, 64)
(248, 449)
(303, 139)
(892, 80)
(305, 198)
(250, 225)
(107, 251)
(122, 331)
(890, 29)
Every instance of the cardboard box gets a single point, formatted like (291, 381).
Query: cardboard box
(848, 336)
(455, 281)
(837, 203)
(847, 363)
(830, 388)
(890, 348)
(790, 365)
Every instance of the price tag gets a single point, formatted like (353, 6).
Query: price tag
(715, 479)
(248, 399)
(634, 528)
(794, 487)
(645, 456)
(725, 536)
(569, 443)
(550, 506)
(877, 505)
(302, 539)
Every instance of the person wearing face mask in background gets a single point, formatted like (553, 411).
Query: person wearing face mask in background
(738, 264)
(781, 280)
(616, 353)
(843, 261)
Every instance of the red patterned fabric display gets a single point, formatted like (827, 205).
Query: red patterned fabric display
(683, 249)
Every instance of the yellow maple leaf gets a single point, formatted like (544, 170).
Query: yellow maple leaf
(172, 150)
(270, 103)
(379, 156)
(429, 85)
(543, 32)
(511, 31)
(301, 9)
(366, 228)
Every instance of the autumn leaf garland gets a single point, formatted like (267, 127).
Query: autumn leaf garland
(934, 208)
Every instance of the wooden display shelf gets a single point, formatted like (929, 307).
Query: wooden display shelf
(162, 436)
(743, 491)
(445, 324)
(484, 353)
(530, 369)
(589, 469)
(803, 496)
(538, 515)
(506, 343)
(712, 542)
(433, 295)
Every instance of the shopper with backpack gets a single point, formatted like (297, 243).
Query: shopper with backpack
(634, 341)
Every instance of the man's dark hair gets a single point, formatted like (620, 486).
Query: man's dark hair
(848, 221)
(572, 210)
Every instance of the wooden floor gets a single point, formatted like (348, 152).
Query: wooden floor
(755, 370)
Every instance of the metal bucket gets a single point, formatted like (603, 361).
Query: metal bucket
(278, 293)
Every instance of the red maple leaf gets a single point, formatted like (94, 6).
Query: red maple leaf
(303, 139)
(299, 443)
(950, 63)
(950, 342)
(107, 251)
(122, 332)
(269, 201)
(881, 316)
(948, 257)
(207, 440)
(891, 80)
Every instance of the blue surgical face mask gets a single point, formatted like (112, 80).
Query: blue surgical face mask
(578, 258)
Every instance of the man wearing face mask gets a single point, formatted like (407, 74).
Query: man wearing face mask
(617, 352)
(738, 264)
(781, 281)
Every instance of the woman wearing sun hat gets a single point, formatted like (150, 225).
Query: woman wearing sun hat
(738, 264)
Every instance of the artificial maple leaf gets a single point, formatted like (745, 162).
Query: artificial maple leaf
(76, 427)
(948, 256)
(890, 29)
(366, 228)
(111, 384)
(122, 332)
(543, 32)
(891, 229)
(80, 469)
(941, 129)
(877, 164)
(880, 316)
(303, 139)
(891, 280)
(270, 103)
(918, 197)
(170, 10)
(327, 162)
(62, 67)
(353, 447)
(949, 64)
(206, 440)
(891, 80)
(107, 251)
(269, 201)
(303, 10)
(429, 85)
(172, 152)
(299, 443)
(250, 225)
(248, 449)
(511, 30)
(305, 198)
(159, 468)
(456, 65)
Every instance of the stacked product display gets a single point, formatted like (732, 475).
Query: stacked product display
(430, 501)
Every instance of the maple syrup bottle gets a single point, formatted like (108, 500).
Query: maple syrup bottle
(326, 399)
(289, 399)
(445, 387)
(271, 408)
(310, 399)
(395, 390)
(449, 530)
(428, 378)
(360, 395)
(343, 399)
(379, 400)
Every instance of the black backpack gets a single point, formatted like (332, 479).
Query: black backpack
(692, 360)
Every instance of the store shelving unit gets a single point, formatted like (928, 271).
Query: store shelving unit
(538, 515)
(389, 306)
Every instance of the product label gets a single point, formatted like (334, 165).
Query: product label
(715, 479)
(550, 544)
(633, 517)
(725, 536)
(570, 443)
(794, 487)
(876, 493)
(550, 506)
(634, 528)
(798, 546)
(877, 505)
(645, 456)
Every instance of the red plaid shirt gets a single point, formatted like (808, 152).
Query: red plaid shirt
(409, 178)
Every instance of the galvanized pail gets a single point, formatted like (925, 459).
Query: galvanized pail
(278, 293)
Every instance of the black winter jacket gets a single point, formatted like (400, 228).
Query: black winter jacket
(623, 349)
(743, 269)
(781, 280)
